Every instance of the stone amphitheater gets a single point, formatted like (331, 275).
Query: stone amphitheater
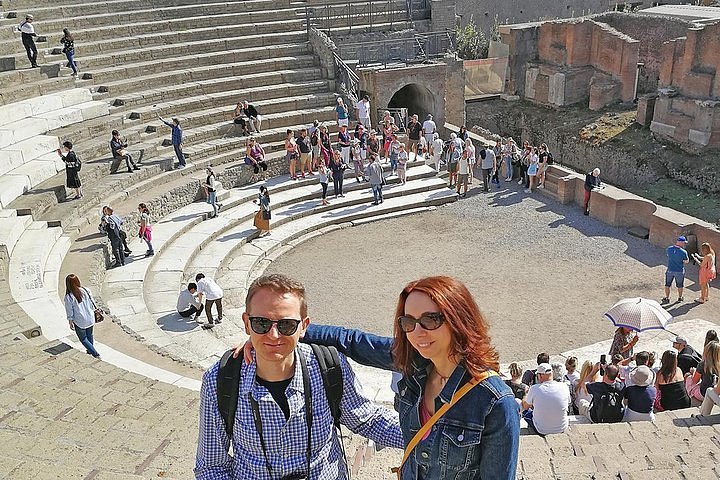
(133, 415)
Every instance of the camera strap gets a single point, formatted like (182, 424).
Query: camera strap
(308, 416)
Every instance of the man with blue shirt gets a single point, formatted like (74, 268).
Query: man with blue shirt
(677, 259)
(282, 401)
(177, 138)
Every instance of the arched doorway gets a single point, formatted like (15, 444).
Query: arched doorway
(416, 98)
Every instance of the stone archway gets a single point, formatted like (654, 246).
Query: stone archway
(416, 98)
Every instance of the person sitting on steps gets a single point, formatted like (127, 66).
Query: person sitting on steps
(188, 302)
(119, 152)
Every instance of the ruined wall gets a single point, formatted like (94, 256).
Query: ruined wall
(622, 163)
(651, 32)
(687, 111)
(573, 60)
(483, 12)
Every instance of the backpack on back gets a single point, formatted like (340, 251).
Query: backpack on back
(609, 407)
(228, 383)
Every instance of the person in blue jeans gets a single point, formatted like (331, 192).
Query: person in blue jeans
(677, 259)
(80, 310)
(68, 42)
(177, 139)
(440, 344)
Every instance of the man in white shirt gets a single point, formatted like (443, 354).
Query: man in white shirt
(211, 292)
(463, 172)
(436, 150)
(188, 302)
(428, 129)
(28, 32)
(363, 111)
(545, 406)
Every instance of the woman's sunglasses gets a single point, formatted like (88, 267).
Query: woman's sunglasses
(428, 321)
(285, 326)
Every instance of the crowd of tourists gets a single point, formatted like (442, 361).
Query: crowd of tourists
(621, 386)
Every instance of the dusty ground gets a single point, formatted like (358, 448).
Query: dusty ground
(542, 272)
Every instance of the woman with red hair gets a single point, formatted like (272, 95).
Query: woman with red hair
(458, 417)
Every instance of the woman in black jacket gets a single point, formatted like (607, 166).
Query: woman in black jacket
(338, 168)
(72, 169)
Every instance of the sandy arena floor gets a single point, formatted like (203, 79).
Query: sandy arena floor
(542, 273)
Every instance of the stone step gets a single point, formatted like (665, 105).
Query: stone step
(36, 88)
(216, 85)
(141, 125)
(199, 250)
(50, 397)
(276, 122)
(11, 229)
(19, 77)
(225, 39)
(174, 77)
(41, 123)
(42, 105)
(127, 306)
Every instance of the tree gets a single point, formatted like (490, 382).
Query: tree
(471, 42)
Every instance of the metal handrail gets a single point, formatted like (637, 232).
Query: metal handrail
(352, 15)
(348, 80)
(418, 48)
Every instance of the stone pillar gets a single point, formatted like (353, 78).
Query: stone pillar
(646, 108)
(454, 91)
(443, 15)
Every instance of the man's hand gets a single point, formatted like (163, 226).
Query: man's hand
(246, 349)
(72, 326)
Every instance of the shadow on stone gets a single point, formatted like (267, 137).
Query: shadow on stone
(173, 322)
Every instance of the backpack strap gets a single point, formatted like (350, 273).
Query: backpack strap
(228, 385)
(331, 371)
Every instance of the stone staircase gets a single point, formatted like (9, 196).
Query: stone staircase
(65, 415)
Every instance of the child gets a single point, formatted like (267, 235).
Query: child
(402, 159)
(571, 366)
(394, 152)
(356, 154)
(518, 388)
(323, 172)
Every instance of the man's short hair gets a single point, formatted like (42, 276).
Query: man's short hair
(611, 372)
(199, 276)
(114, 133)
(192, 286)
(558, 370)
(280, 284)
(616, 359)
(543, 358)
(641, 358)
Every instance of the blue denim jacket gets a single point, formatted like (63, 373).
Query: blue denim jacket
(476, 439)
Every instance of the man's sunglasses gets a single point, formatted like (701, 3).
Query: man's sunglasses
(428, 321)
(285, 326)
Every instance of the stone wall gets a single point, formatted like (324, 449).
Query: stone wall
(625, 168)
(651, 32)
(687, 111)
(444, 82)
(522, 11)
(573, 60)
(324, 48)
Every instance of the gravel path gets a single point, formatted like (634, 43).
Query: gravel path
(542, 273)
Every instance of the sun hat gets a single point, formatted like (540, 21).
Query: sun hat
(544, 368)
(642, 376)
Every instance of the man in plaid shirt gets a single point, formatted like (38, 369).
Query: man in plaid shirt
(273, 386)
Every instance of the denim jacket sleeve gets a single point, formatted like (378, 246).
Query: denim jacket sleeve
(500, 440)
(365, 348)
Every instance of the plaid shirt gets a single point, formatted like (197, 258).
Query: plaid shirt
(286, 441)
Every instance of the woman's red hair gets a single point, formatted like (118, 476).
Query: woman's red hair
(470, 339)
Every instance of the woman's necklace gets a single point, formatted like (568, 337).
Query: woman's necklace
(443, 380)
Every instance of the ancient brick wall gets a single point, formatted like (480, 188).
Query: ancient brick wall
(687, 111)
(651, 32)
(574, 60)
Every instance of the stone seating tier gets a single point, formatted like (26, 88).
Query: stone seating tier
(176, 25)
(184, 244)
(151, 132)
(68, 416)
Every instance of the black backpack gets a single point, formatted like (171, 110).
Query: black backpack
(609, 407)
(228, 383)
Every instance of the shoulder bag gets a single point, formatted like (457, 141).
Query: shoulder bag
(438, 414)
(99, 314)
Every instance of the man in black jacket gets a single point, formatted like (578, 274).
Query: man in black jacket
(253, 116)
(120, 153)
(687, 356)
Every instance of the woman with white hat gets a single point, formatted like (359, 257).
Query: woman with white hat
(640, 396)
